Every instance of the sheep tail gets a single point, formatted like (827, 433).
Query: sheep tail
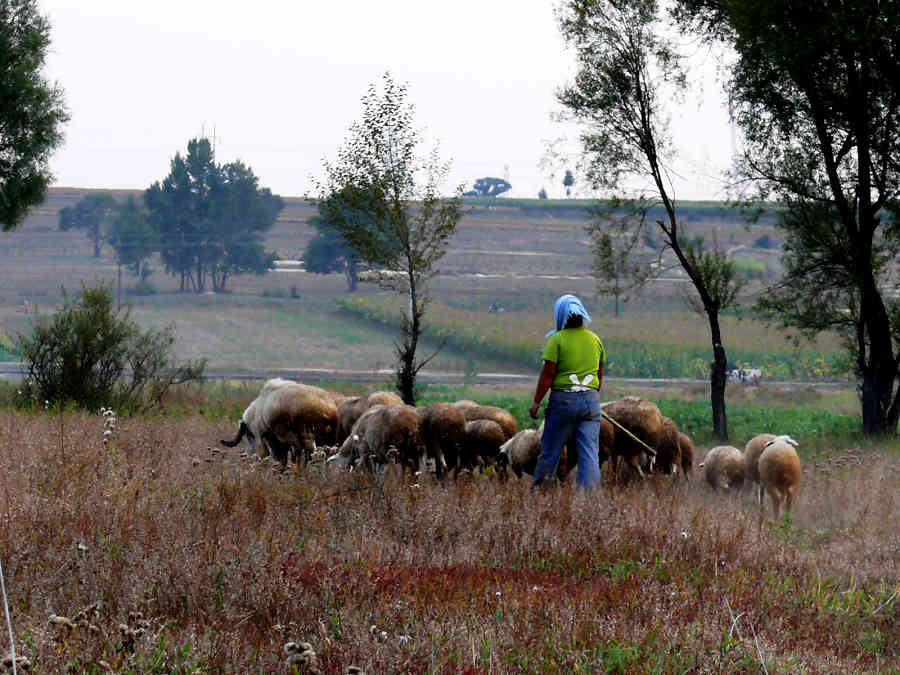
(242, 429)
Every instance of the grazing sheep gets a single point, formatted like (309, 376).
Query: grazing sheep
(520, 453)
(780, 473)
(668, 450)
(643, 420)
(489, 412)
(752, 451)
(295, 417)
(350, 409)
(249, 424)
(481, 444)
(465, 403)
(248, 428)
(378, 430)
(686, 446)
(724, 468)
(443, 433)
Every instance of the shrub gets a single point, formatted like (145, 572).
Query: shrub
(91, 353)
(749, 269)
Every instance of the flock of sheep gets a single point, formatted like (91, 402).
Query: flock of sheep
(290, 420)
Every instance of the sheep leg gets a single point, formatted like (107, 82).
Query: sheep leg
(790, 499)
(636, 465)
(776, 503)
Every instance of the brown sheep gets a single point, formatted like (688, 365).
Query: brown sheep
(380, 429)
(350, 409)
(294, 418)
(443, 433)
(642, 419)
(489, 412)
(780, 473)
(521, 452)
(752, 451)
(686, 446)
(724, 468)
(668, 451)
(483, 438)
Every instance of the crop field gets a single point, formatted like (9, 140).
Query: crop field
(155, 551)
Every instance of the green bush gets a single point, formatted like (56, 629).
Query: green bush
(92, 354)
(749, 269)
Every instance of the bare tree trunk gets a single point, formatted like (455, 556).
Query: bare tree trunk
(717, 379)
(406, 370)
(879, 371)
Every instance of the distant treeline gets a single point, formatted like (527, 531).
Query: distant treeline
(689, 211)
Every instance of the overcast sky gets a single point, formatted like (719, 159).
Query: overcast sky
(280, 82)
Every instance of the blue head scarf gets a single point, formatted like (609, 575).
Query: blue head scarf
(566, 306)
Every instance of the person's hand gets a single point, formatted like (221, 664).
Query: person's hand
(534, 410)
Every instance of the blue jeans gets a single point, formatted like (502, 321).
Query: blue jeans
(571, 413)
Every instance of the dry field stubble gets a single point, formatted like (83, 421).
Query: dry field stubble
(197, 559)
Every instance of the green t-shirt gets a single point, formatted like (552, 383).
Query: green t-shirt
(577, 353)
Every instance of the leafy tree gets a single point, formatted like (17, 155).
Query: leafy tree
(327, 251)
(133, 237)
(32, 111)
(568, 182)
(617, 263)
(401, 223)
(90, 214)
(91, 353)
(211, 219)
(815, 88)
(489, 187)
(622, 66)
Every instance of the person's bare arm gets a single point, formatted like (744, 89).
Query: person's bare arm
(600, 376)
(545, 380)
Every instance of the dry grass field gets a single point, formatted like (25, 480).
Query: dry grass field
(168, 555)
(151, 549)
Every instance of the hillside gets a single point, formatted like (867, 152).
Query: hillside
(518, 254)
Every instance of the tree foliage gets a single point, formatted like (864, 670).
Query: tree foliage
(624, 68)
(489, 187)
(91, 353)
(133, 237)
(32, 111)
(568, 182)
(618, 263)
(815, 88)
(401, 223)
(327, 251)
(211, 219)
(89, 213)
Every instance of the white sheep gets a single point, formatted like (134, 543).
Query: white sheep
(520, 453)
(724, 468)
(249, 426)
(780, 473)
(286, 417)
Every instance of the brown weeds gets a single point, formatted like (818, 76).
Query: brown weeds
(166, 555)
